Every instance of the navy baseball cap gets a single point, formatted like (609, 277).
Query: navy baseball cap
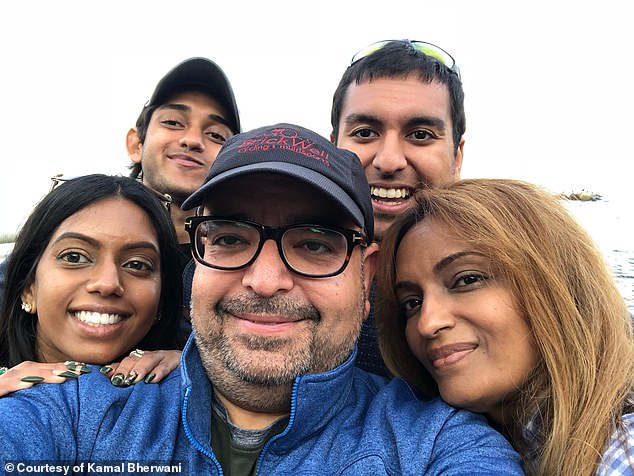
(294, 151)
(200, 74)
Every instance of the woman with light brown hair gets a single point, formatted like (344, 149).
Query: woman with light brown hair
(493, 297)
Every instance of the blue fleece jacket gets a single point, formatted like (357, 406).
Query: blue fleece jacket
(342, 422)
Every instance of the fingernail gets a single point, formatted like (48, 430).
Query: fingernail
(148, 378)
(67, 374)
(132, 376)
(117, 380)
(84, 369)
(71, 364)
(106, 369)
(32, 379)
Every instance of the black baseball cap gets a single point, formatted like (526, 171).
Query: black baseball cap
(204, 75)
(294, 151)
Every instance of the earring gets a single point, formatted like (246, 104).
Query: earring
(27, 307)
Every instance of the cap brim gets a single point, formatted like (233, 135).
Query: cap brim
(303, 174)
(201, 74)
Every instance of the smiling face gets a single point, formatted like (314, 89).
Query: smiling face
(97, 285)
(259, 327)
(401, 130)
(462, 323)
(182, 141)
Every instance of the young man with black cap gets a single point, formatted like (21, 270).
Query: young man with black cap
(179, 132)
(267, 383)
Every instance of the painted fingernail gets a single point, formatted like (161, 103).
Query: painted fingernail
(132, 376)
(67, 374)
(148, 378)
(32, 379)
(71, 364)
(84, 369)
(117, 380)
(106, 369)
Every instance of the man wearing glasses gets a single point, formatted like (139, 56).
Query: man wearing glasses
(267, 383)
(400, 107)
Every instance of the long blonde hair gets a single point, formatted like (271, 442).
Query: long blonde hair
(564, 290)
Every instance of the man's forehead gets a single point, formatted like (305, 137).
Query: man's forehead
(273, 197)
(407, 92)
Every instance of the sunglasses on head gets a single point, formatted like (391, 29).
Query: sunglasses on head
(428, 49)
(58, 179)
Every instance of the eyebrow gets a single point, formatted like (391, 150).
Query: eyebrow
(433, 122)
(359, 117)
(447, 260)
(438, 267)
(430, 121)
(93, 242)
(186, 108)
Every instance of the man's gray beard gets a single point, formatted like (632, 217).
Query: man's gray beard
(271, 391)
(221, 352)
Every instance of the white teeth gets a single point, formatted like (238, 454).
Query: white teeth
(389, 192)
(96, 318)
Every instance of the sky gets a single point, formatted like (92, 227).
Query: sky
(548, 92)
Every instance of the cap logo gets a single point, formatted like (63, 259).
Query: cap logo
(284, 138)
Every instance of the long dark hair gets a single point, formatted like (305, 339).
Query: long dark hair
(18, 329)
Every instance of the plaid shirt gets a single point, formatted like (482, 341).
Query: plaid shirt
(618, 457)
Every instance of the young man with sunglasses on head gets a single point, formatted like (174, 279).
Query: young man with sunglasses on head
(400, 107)
(267, 383)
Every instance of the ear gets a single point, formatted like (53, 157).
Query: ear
(29, 297)
(370, 262)
(458, 160)
(333, 139)
(133, 145)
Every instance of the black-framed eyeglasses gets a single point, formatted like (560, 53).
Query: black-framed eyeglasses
(424, 47)
(58, 179)
(308, 250)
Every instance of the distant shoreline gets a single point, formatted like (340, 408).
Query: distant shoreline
(583, 196)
